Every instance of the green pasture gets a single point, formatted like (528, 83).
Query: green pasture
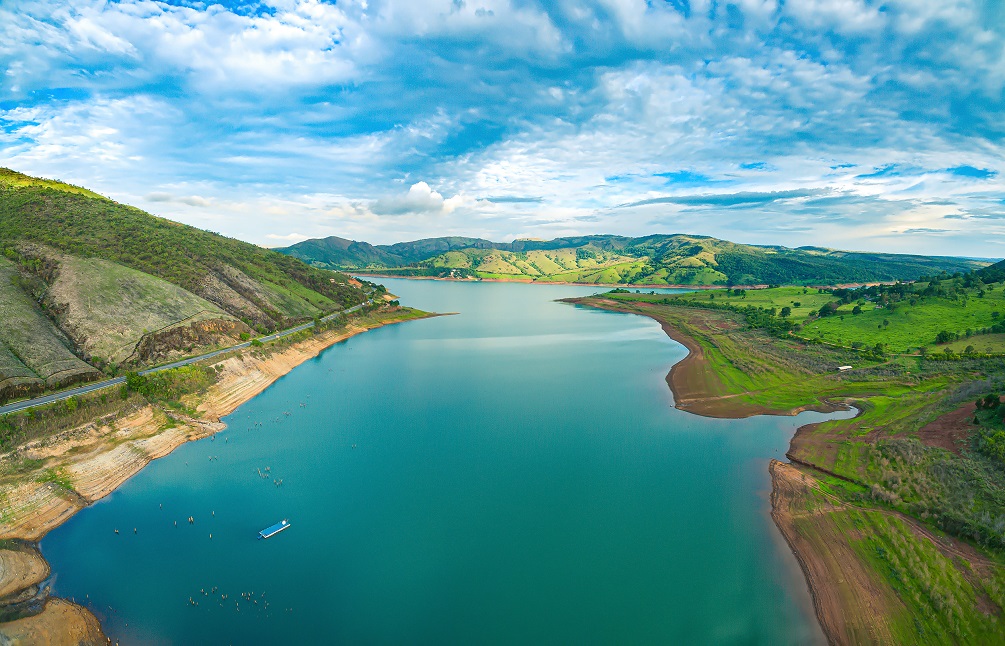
(904, 327)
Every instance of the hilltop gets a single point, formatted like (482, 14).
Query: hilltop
(606, 259)
(88, 285)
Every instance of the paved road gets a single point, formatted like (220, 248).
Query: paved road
(107, 383)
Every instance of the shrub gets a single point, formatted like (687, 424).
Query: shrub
(945, 337)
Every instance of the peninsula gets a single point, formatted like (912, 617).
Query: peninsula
(896, 515)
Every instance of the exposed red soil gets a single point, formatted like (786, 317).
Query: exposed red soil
(951, 430)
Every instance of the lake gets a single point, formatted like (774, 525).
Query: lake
(516, 473)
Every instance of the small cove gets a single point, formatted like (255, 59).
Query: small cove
(515, 473)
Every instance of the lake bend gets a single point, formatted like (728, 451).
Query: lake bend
(515, 473)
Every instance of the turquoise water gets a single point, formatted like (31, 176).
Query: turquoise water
(513, 474)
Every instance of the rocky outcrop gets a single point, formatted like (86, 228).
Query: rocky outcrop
(183, 339)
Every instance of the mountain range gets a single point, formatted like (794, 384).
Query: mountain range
(676, 259)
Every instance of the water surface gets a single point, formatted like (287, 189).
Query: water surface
(516, 473)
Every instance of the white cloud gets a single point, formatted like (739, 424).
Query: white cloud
(290, 238)
(419, 199)
(302, 115)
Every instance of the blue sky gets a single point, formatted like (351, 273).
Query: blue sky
(841, 123)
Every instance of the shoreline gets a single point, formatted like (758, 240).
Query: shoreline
(686, 378)
(531, 281)
(98, 458)
(826, 598)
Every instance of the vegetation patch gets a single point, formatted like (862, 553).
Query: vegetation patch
(108, 308)
(30, 337)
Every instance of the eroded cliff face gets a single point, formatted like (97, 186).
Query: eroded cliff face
(185, 339)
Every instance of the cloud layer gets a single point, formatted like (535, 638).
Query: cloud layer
(825, 122)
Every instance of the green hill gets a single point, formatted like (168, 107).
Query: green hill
(650, 260)
(994, 273)
(87, 283)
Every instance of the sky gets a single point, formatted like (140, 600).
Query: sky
(841, 123)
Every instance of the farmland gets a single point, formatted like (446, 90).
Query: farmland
(902, 319)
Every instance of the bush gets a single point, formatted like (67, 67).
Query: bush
(829, 309)
(945, 337)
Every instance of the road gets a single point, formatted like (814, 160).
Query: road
(107, 383)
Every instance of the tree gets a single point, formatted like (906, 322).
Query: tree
(944, 337)
(786, 312)
(829, 309)
(856, 310)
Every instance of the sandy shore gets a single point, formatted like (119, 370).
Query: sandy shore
(86, 464)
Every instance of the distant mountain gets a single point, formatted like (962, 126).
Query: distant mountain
(88, 284)
(651, 260)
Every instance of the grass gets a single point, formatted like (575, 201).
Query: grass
(45, 421)
(15, 179)
(32, 339)
(108, 308)
(809, 300)
(906, 327)
(57, 477)
(902, 325)
(940, 593)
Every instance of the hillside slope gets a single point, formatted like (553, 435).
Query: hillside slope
(650, 260)
(89, 284)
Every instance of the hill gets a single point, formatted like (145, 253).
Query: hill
(651, 260)
(88, 284)
(994, 273)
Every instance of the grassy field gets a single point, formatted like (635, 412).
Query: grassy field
(33, 339)
(803, 301)
(907, 327)
(107, 308)
(556, 265)
(901, 323)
